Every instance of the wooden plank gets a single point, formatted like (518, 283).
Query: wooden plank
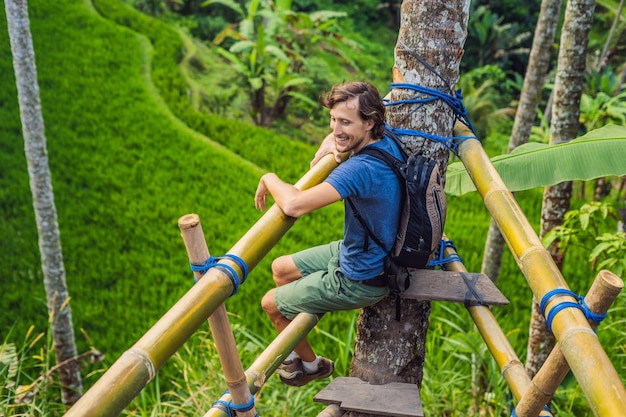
(469, 288)
(392, 399)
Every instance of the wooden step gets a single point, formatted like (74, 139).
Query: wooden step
(392, 399)
(463, 287)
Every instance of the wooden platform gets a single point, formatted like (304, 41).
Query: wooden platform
(393, 399)
(463, 287)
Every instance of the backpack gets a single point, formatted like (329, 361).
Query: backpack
(422, 217)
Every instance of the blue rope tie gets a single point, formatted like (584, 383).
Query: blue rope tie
(453, 98)
(451, 143)
(439, 254)
(241, 263)
(454, 101)
(579, 304)
(228, 406)
(203, 267)
(214, 262)
(545, 408)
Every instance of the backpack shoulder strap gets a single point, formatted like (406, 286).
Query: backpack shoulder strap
(395, 138)
(394, 164)
(391, 161)
(369, 233)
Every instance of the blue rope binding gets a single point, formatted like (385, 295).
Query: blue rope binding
(579, 304)
(453, 98)
(228, 406)
(440, 261)
(214, 262)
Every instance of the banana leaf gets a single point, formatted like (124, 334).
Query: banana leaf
(599, 153)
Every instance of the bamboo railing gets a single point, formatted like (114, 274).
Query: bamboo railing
(578, 347)
(138, 365)
(577, 341)
(224, 339)
(503, 353)
(534, 394)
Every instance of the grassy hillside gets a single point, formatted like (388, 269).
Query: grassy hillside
(124, 170)
(129, 156)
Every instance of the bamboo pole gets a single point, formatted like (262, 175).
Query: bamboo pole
(511, 367)
(580, 346)
(224, 339)
(604, 290)
(138, 366)
(265, 365)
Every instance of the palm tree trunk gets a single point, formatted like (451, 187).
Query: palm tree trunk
(568, 89)
(525, 115)
(388, 350)
(43, 199)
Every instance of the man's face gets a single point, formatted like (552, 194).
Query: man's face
(351, 132)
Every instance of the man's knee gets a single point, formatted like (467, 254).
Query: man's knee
(284, 270)
(268, 303)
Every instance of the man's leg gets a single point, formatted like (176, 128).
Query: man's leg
(308, 366)
(284, 270)
(302, 365)
(303, 349)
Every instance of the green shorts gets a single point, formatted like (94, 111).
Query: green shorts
(323, 287)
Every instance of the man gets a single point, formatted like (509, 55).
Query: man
(346, 274)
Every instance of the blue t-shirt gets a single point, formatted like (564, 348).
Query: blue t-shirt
(375, 191)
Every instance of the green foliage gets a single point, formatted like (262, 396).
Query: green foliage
(611, 251)
(540, 132)
(607, 82)
(28, 380)
(586, 227)
(151, 7)
(605, 14)
(249, 142)
(594, 155)
(129, 155)
(363, 13)
(602, 110)
(491, 40)
(270, 50)
(322, 54)
(20, 392)
(485, 93)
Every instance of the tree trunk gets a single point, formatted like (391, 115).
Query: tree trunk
(43, 199)
(525, 116)
(385, 349)
(568, 89)
(492, 255)
(602, 188)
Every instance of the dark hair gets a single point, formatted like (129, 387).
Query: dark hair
(370, 104)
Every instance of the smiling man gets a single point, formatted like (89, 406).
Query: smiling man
(349, 273)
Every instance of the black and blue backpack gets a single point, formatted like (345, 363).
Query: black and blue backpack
(422, 217)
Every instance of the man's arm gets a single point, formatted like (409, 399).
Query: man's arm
(292, 201)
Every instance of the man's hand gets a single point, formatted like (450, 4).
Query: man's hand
(260, 197)
(327, 146)
(292, 201)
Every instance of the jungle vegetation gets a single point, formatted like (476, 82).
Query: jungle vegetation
(152, 111)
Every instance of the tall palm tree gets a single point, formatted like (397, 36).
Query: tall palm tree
(434, 31)
(568, 88)
(538, 62)
(43, 199)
